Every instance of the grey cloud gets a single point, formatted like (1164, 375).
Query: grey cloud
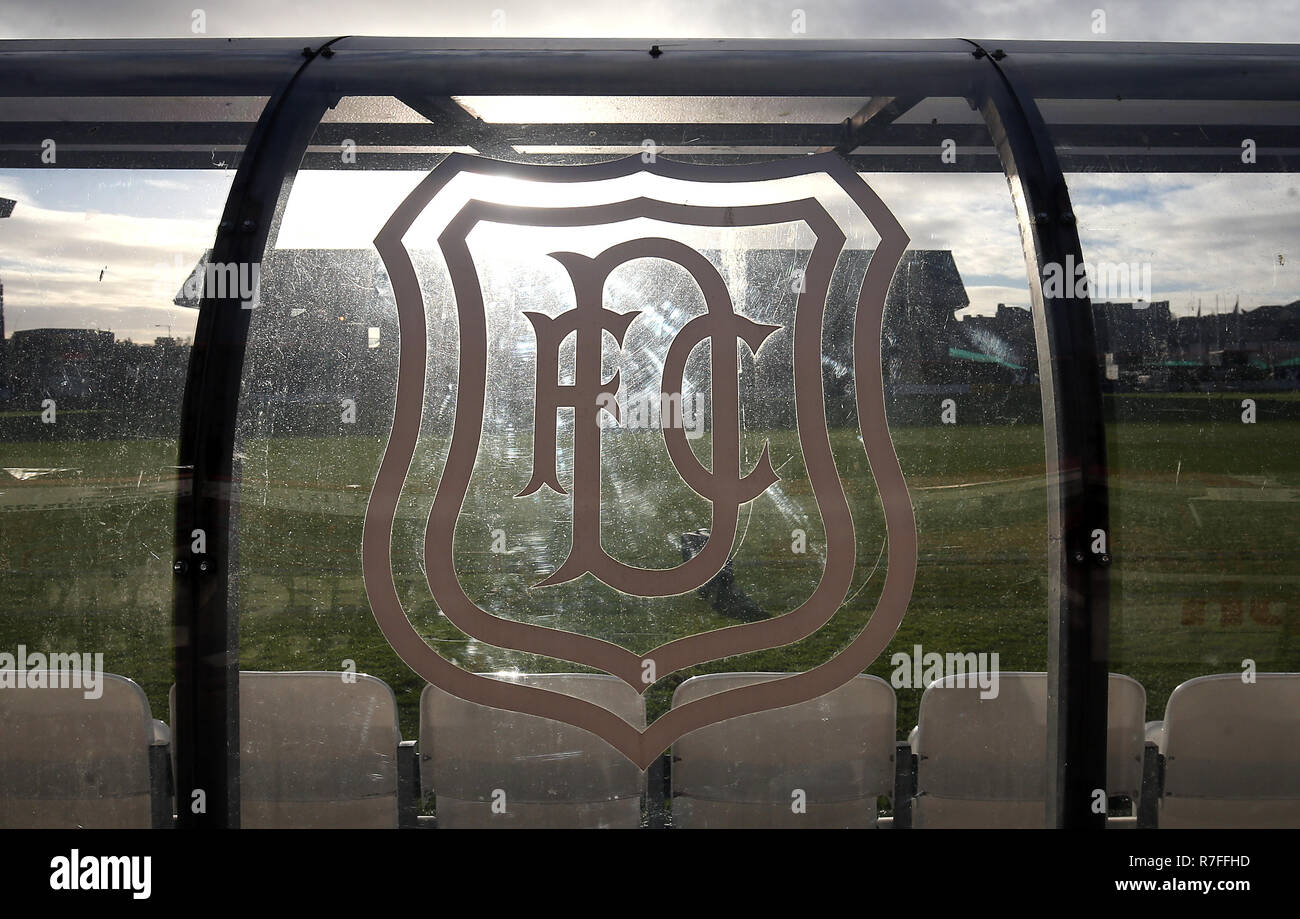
(1133, 20)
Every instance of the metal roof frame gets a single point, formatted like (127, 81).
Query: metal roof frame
(1003, 81)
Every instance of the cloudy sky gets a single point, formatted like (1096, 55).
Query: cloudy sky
(1130, 20)
(100, 249)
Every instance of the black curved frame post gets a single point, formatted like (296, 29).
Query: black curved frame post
(206, 634)
(1074, 433)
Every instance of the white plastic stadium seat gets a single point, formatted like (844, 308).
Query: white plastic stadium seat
(67, 761)
(1232, 752)
(316, 751)
(540, 773)
(982, 762)
(838, 750)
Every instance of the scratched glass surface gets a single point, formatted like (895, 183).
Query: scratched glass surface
(956, 328)
(1199, 334)
(1192, 268)
(647, 509)
(95, 348)
(95, 340)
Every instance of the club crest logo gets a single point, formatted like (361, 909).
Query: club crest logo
(579, 357)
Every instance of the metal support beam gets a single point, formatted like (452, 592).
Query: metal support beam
(451, 120)
(866, 122)
(206, 635)
(1075, 437)
(160, 786)
(904, 785)
(1153, 787)
(408, 785)
(658, 791)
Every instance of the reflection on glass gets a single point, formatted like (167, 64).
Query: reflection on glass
(1202, 370)
(956, 331)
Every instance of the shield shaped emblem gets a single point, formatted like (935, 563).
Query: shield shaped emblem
(590, 223)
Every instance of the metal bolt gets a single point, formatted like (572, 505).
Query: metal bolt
(203, 565)
(1078, 556)
(248, 226)
(179, 566)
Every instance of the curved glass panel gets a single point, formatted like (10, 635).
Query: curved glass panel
(106, 210)
(631, 448)
(1188, 211)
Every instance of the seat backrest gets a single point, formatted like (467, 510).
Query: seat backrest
(1232, 752)
(316, 750)
(821, 763)
(69, 761)
(493, 768)
(982, 762)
